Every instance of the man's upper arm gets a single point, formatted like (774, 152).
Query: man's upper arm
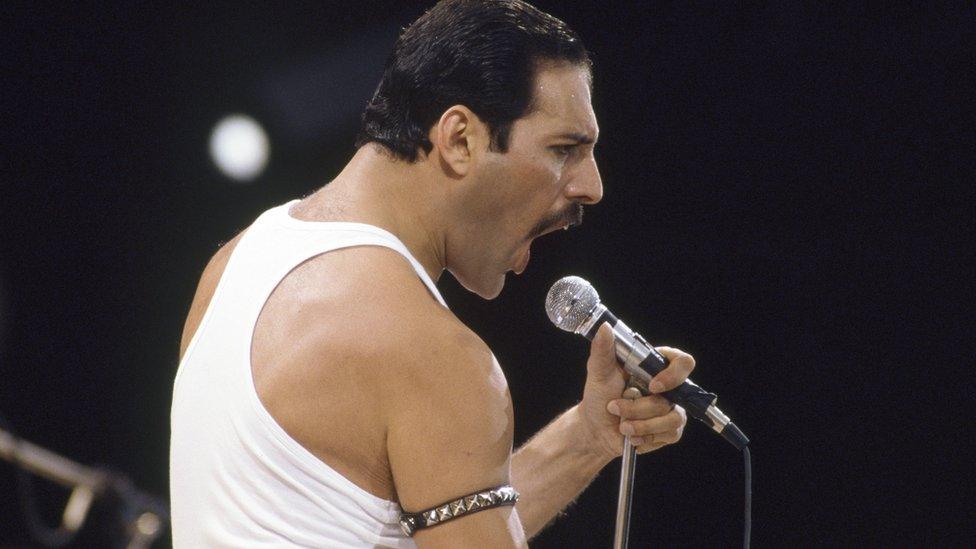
(450, 434)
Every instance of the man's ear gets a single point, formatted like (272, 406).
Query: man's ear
(460, 138)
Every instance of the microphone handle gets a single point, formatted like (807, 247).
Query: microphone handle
(689, 395)
(697, 402)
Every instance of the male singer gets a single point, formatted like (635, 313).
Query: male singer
(326, 396)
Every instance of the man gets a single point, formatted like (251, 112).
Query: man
(325, 389)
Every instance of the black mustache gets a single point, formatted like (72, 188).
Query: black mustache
(571, 216)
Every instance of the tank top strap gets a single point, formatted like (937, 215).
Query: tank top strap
(381, 237)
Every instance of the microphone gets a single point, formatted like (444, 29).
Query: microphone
(574, 305)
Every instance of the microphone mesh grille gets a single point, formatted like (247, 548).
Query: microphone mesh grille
(570, 302)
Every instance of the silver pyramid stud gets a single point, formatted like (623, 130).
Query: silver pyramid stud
(457, 506)
(503, 495)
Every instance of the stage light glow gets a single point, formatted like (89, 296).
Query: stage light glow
(239, 147)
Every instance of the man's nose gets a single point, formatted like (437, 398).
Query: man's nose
(587, 186)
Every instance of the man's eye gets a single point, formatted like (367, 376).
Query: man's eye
(563, 150)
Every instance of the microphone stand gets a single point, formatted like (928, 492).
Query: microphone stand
(625, 497)
(85, 483)
(144, 516)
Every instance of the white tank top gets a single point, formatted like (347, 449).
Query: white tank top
(237, 479)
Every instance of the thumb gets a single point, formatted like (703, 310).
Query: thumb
(602, 363)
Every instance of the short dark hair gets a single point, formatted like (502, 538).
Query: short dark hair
(477, 53)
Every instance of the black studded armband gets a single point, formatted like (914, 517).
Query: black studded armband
(471, 503)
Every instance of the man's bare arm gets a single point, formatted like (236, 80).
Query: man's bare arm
(552, 469)
(563, 458)
(450, 435)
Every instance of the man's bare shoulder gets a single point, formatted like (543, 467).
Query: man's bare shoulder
(373, 310)
(403, 377)
(369, 302)
(444, 400)
(205, 290)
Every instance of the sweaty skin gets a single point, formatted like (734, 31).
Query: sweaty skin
(422, 413)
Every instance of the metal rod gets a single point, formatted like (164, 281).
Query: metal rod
(48, 464)
(85, 483)
(625, 497)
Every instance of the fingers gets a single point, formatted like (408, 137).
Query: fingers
(643, 407)
(651, 446)
(680, 365)
(657, 432)
(602, 364)
(650, 421)
(666, 428)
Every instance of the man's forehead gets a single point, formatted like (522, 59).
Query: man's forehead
(562, 102)
(581, 127)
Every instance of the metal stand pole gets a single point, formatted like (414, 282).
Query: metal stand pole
(625, 495)
(145, 516)
(85, 483)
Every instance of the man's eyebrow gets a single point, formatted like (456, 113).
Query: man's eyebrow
(580, 138)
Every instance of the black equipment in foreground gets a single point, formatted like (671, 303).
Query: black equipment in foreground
(142, 518)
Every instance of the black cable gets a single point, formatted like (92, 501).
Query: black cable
(42, 534)
(748, 510)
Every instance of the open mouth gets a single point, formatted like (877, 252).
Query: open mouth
(570, 217)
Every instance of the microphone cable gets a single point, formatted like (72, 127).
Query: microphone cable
(747, 513)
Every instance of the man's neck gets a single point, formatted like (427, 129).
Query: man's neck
(403, 198)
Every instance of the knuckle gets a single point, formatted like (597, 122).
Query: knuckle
(660, 405)
(626, 408)
(642, 405)
(680, 358)
(643, 428)
(658, 425)
(681, 412)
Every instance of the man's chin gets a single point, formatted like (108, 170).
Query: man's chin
(491, 291)
(485, 288)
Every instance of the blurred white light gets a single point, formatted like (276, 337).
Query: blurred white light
(239, 147)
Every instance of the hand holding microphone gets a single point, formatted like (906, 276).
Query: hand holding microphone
(607, 411)
(574, 305)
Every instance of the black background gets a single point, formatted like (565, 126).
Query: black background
(788, 196)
